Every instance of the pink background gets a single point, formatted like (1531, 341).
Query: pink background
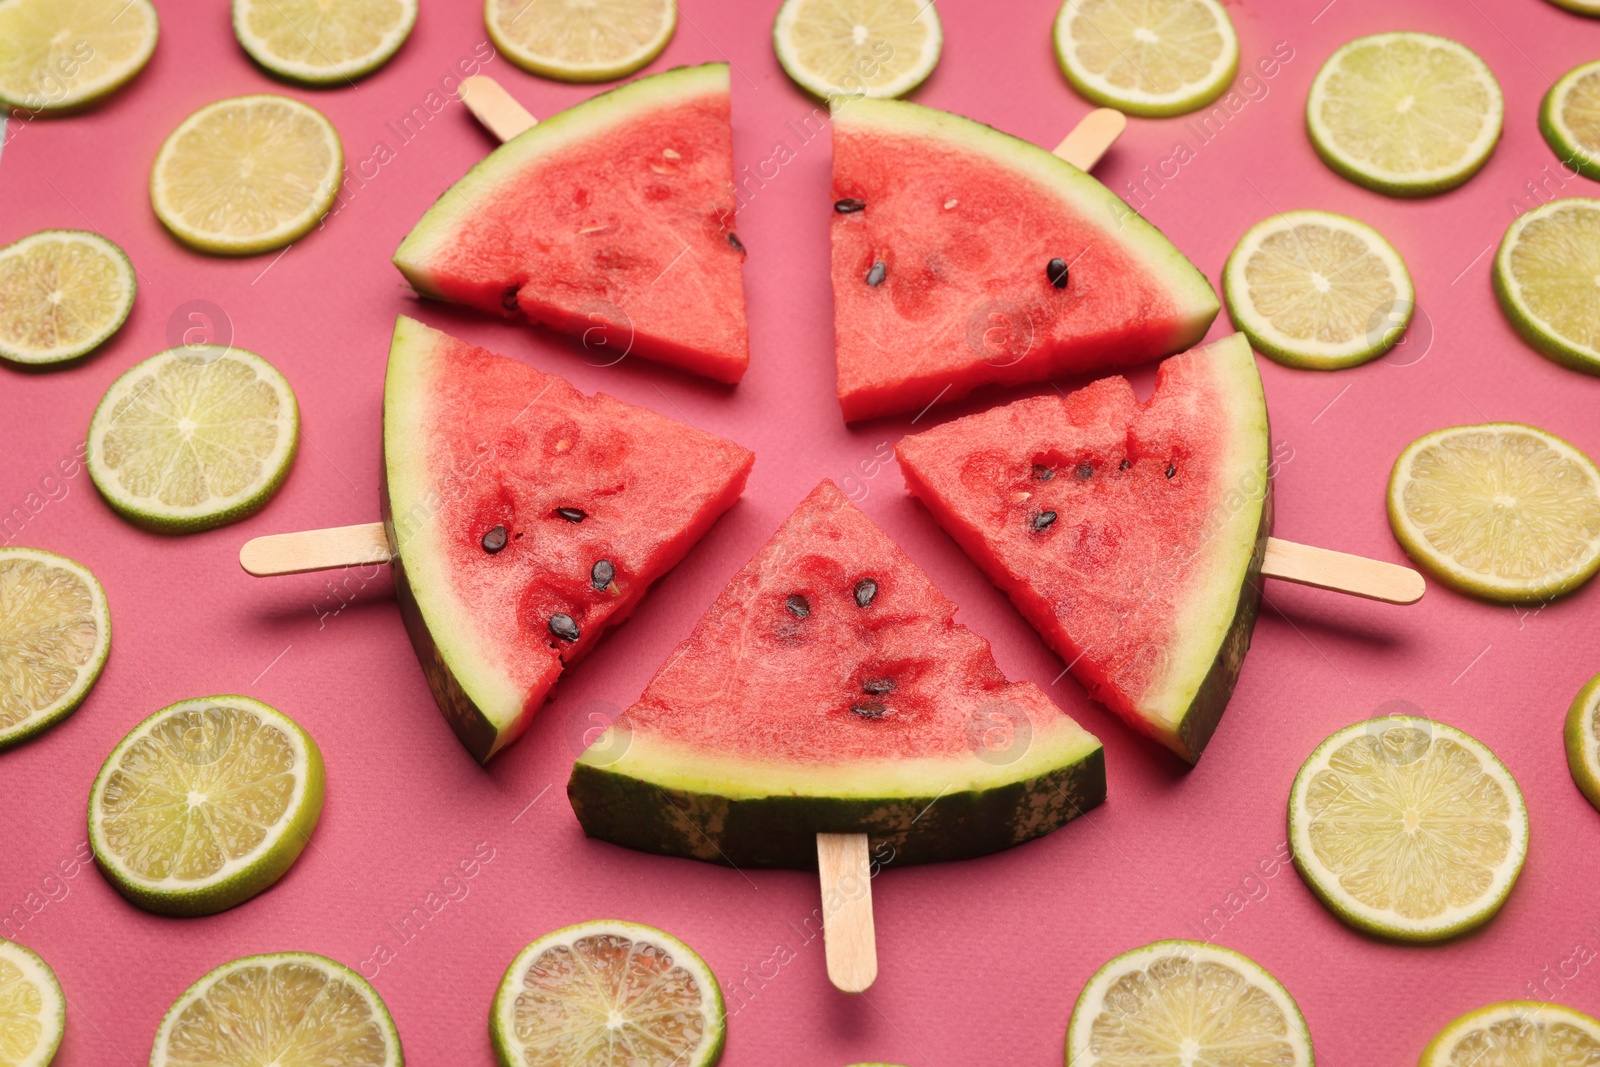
(981, 961)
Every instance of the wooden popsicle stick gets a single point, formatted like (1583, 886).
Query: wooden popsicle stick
(491, 105)
(316, 550)
(1341, 572)
(845, 870)
(1092, 137)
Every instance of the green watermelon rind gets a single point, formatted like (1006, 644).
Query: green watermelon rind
(1194, 300)
(748, 813)
(578, 123)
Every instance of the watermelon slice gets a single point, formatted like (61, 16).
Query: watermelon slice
(964, 257)
(527, 518)
(830, 689)
(612, 220)
(1130, 535)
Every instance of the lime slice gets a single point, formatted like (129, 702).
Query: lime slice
(55, 634)
(1407, 114)
(1516, 1033)
(1184, 1002)
(580, 40)
(287, 1009)
(1407, 828)
(56, 55)
(193, 438)
(318, 43)
(878, 48)
(63, 293)
(1569, 118)
(1147, 57)
(1547, 276)
(247, 174)
(1582, 7)
(1499, 510)
(1583, 740)
(1318, 290)
(607, 992)
(205, 804)
(33, 1013)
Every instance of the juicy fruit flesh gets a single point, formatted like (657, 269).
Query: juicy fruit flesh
(1155, 47)
(99, 41)
(48, 635)
(1556, 265)
(205, 787)
(1318, 283)
(285, 1014)
(859, 45)
(1407, 106)
(582, 33)
(194, 430)
(317, 34)
(1524, 1038)
(608, 1000)
(1181, 1010)
(21, 1015)
(1409, 823)
(1503, 504)
(59, 294)
(1580, 112)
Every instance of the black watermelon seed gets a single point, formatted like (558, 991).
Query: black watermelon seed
(870, 709)
(602, 574)
(572, 514)
(508, 299)
(1043, 473)
(798, 605)
(1056, 271)
(1125, 464)
(733, 239)
(849, 205)
(563, 627)
(494, 540)
(878, 686)
(865, 590)
(1171, 470)
(1085, 471)
(1043, 519)
(878, 272)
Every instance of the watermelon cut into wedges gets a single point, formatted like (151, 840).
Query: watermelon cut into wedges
(1129, 534)
(612, 221)
(830, 689)
(526, 518)
(964, 257)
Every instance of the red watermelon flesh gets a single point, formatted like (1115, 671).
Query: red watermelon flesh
(957, 224)
(1129, 534)
(528, 518)
(612, 221)
(830, 688)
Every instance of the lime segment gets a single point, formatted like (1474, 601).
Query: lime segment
(603, 993)
(33, 1013)
(60, 54)
(1499, 510)
(1547, 276)
(1407, 114)
(844, 48)
(289, 1009)
(55, 634)
(205, 804)
(1318, 290)
(1407, 828)
(1583, 740)
(63, 293)
(319, 43)
(580, 40)
(1569, 118)
(1516, 1033)
(1147, 57)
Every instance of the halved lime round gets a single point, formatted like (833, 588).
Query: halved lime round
(1583, 740)
(604, 993)
(56, 55)
(285, 1009)
(1516, 1033)
(55, 634)
(1186, 1002)
(1147, 57)
(1499, 510)
(322, 43)
(63, 293)
(205, 804)
(1407, 114)
(877, 48)
(1569, 118)
(1547, 276)
(193, 438)
(580, 40)
(1407, 828)
(1317, 290)
(33, 1013)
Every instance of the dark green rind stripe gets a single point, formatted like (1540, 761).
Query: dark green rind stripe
(780, 831)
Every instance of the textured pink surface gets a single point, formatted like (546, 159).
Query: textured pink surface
(981, 961)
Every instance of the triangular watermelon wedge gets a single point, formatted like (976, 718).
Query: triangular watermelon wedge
(612, 221)
(1129, 534)
(830, 689)
(949, 239)
(527, 518)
